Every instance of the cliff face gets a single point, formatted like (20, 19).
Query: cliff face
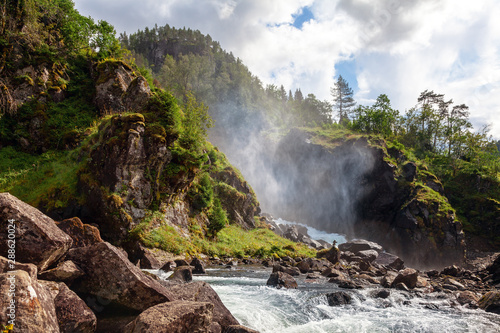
(360, 187)
(136, 167)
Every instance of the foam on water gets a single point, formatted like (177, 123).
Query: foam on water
(306, 310)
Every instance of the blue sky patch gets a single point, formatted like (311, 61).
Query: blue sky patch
(304, 15)
(347, 69)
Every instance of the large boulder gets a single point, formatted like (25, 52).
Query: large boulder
(182, 274)
(33, 310)
(38, 240)
(490, 302)
(332, 255)
(282, 280)
(389, 261)
(408, 276)
(293, 271)
(82, 234)
(112, 277)
(173, 317)
(73, 315)
(357, 245)
(202, 292)
(338, 298)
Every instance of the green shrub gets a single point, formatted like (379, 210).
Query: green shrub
(217, 217)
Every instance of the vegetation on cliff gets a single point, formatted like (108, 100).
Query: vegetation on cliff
(85, 131)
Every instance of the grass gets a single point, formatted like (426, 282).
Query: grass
(48, 180)
(231, 241)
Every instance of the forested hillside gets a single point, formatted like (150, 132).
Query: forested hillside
(435, 132)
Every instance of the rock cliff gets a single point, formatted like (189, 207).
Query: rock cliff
(361, 187)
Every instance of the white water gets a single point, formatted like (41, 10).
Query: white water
(305, 310)
(315, 233)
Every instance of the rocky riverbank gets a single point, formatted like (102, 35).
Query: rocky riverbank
(62, 277)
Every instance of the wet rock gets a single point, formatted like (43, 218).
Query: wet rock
(282, 280)
(433, 273)
(408, 276)
(401, 286)
(454, 283)
(198, 266)
(202, 292)
(112, 277)
(344, 282)
(73, 315)
(34, 308)
(490, 302)
(177, 316)
(468, 298)
(338, 298)
(388, 279)
(383, 293)
(313, 276)
(82, 234)
(182, 274)
(390, 261)
(293, 271)
(41, 241)
(239, 329)
(31, 269)
(168, 266)
(66, 271)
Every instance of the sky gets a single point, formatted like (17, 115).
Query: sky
(395, 47)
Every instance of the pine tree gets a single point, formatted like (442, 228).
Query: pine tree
(342, 99)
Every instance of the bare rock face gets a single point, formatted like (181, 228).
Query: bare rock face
(173, 317)
(34, 306)
(202, 292)
(182, 274)
(490, 302)
(41, 241)
(73, 315)
(112, 277)
(122, 178)
(82, 234)
(118, 89)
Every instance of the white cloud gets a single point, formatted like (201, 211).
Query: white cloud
(400, 47)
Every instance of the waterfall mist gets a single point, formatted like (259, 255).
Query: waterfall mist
(293, 178)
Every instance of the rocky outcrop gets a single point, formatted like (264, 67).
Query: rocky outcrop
(338, 298)
(41, 241)
(360, 187)
(118, 89)
(177, 316)
(112, 277)
(238, 199)
(122, 177)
